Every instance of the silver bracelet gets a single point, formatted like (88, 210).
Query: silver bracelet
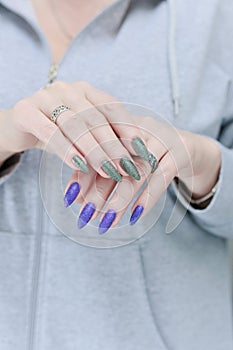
(201, 200)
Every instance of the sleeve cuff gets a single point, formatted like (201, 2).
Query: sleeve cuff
(8, 168)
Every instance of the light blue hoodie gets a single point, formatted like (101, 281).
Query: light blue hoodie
(163, 292)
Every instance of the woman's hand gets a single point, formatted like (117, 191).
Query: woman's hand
(193, 158)
(77, 138)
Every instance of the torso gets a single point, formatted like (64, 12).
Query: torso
(62, 295)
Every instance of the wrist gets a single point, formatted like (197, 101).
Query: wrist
(199, 203)
(206, 165)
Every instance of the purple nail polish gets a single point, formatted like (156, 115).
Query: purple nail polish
(136, 214)
(71, 194)
(107, 221)
(86, 214)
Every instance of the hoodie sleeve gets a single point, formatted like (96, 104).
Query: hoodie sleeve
(8, 168)
(217, 217)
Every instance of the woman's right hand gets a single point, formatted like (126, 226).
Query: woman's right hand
(77, 138)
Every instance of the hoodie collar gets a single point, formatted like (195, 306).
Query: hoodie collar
(26, 11)
(120, 8)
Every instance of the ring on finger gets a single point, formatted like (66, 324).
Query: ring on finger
(57, 111)
(153, 162)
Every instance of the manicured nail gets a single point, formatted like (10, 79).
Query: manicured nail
(107, 221)
(71, 194)
(130, 168)
(136, 214)
(111, 170)
(80, 164)
(140, 148)
(86, 214)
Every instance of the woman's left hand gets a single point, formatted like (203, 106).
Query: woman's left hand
(192, 158)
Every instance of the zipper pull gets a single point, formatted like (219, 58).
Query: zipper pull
(53, 70)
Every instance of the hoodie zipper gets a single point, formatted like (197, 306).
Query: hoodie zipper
(53, 71)
(37, 259)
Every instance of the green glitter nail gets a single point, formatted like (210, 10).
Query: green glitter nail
(111, 171)
(80, 164)
(140, 148)
(130, 168)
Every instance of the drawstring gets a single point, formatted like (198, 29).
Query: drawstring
(173, 59)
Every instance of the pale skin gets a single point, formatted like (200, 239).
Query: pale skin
(194, 159)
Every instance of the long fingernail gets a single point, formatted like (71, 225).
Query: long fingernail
(111, 170)
(107, 221)
(130, 168)
(71, 194)
(80, 164)
(86, 214)
(136, 214)
(140, 148)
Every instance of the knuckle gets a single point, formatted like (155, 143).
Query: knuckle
(110, 107)
(41, 94)
(80, 85)
(46, 131)
(94, 118)
(58, 84)
(21, 111)
(70, 122)
(72, 118)
(22, 106)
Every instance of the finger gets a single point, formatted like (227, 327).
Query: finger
(50, 137)
(79, 134)
(78, 186)
(75, 130)
(102, 191)
(109, 141)
(95, 199)
(157, 151)
(122, 122)
(158, 183)
(123, 196)
(102, 132)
